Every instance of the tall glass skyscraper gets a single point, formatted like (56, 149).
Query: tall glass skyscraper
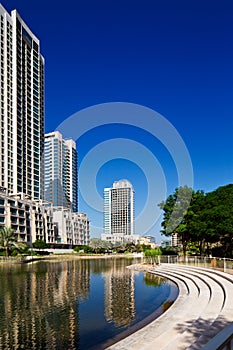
(61, 165)
(21, 107)
(119, 212)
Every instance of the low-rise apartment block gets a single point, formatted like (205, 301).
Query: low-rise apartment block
(29, 219)
(70, 228)
(148, 240)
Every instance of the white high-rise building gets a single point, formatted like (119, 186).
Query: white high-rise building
(119, 212)
(61, 179)
(21, 107)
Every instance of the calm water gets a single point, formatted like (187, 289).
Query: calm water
(76, 304)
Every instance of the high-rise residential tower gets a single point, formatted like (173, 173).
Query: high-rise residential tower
(21, 107)
(61, 179)
(119, 212)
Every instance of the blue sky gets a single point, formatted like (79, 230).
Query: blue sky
(174, 57)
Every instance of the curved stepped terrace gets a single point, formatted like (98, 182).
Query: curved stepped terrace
(204, 307)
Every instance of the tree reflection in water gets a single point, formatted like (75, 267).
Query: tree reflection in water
(153, 280)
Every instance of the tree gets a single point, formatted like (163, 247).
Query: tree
(196, 222)
(83, 249)
(219, 217)
(130, 247)
(107, 245)
(40, 244)
(145, 247)
(152, 255)
(8, 240)
(175, 213)
(175, 208)
(170, 250)
(97, 244)
(211, 219)
(206, 220)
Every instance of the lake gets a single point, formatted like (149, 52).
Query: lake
(77, 304)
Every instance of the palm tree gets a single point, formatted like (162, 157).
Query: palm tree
(8, 239)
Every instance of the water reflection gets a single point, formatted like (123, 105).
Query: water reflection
(40, 303)
(119, 295)
(153, 280)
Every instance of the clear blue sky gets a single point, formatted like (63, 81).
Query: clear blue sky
(175, 57)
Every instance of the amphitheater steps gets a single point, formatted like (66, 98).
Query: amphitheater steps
(203, 308)
(191, 326)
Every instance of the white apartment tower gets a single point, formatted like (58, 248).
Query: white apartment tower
(119, 212)
(61, 179)
(21, 107)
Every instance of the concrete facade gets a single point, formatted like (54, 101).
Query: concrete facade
(30, 220)
(148, 240)
(21, 107)
(119, 213)
(61, 179)
(70, 228)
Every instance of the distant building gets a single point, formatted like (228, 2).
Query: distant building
(119, 213)
(176, 240)
(30, 220)
(148, 240)
(61, 178)
(70, 228)
(22, 107)
(166, 243)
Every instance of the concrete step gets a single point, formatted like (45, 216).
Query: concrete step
(225, 316)
(209, 304)
(204, 306)
(192, 329)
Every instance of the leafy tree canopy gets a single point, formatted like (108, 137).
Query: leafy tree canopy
(206, 220)
(40, 244)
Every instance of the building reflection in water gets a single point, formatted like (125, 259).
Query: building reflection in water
(42, 304)
(119, 297)
(39, 304)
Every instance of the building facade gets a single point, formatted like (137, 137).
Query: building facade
(21, 107)
(30, 220)
(119, 212)
(176, 240)
(70, 228)
(148, 240)
(61, 179)
(166, 242)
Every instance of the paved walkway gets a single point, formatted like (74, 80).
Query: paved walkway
(203, 308)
